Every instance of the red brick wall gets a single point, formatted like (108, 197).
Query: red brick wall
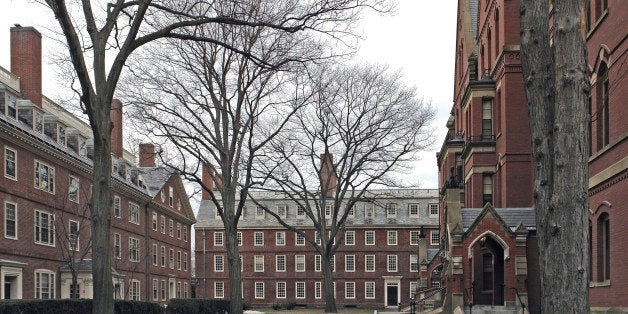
(26, 61)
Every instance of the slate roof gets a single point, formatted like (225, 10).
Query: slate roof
(155, 178)
(431, 254)
(512, 216)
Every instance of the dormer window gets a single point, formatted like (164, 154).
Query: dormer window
(8, 105)
(54, 129)
(76, 141)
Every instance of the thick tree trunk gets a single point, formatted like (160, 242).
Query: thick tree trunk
(330, 299)
(556, 83)
(235, 275)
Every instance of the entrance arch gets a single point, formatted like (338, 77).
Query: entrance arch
(488, 271)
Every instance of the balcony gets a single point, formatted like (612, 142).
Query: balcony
(484, 140)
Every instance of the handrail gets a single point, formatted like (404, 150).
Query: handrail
(523, 305)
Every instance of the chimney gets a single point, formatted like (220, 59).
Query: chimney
(147, 155)
(26, 61)
(116, 131)
(208, 180)
(327, 175)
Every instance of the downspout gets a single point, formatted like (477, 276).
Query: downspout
(146, 249)
(204, 267)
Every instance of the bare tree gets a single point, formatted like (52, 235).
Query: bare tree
(557, 87)
(361, 125)
(115, 30)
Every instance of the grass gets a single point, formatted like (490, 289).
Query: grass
(317, 310)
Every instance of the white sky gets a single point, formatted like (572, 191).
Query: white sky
(419, 40)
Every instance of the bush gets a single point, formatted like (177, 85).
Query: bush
(287, 305)
(74, 306)
(131, 307)
(185, 306)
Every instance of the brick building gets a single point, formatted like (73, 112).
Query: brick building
(485, 167)
(45, 189)
(378, 264)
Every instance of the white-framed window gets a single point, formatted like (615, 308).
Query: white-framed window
(433, 209)
(349, 263)
(317, 237)
(392, 263)
(328, 210)
(332, 263)
(391, 210)
(178, 289)
(435, 237)
(171, 258)
(44, 228)
(117, 206)
(73, 235)
(435, 284)
(317, 263)
(369, 290)
(44, 284)
(414, 263)
(117, 245)
(259, 238)
(154, 224)
(171, 228)
(351, 213)
(134, 213)
(170, 196)
(179, 230)
(178, 260)
(44, 177)
(239, 238)
(413, 210)
(10, 220)
(349, 290)
(134, 290)
(218, 239)
(369, 263)
(369, 237)
(413, 288)
(185, 233)
(134, 249)
(392, 237)
(350, 238)
(300, 212)
(155, 289)
(219, 263)
(259, 212)
(299, 262)
(259, 290)
(163, 290)
(414, 237)
(281, 290)
(73, 189)
(280, 238)
(369, 211)
(10, 163)
(163, 224)
(299, 239)
(300, 290)
(280, 263)
(282, 211)
(318, 290)
(163, 256)
(258, 263)
(185, 285)
(154, 253)
(185, 261)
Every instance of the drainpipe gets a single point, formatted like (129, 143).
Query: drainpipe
(204, 267)
(146, 249)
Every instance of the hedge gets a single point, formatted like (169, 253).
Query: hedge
(193, 306)
(74, 306)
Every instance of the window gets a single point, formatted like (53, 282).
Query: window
(280, 263)
(10, 220)
(134, 249)
(259, 212)
(317, 237)
(163, 224)
(413, 288)
(604, 247)
(185, 261)
(391, 210)
(258, 263)
(487, 119)
(116, 206)
(259, 290)
(369, 237)
(414, 237)
(433, 209)
(73, 235)
(163, 290)
(259, 238)
(299, 239)
(117, 245)
(318, 290)
(154, 253)
(392, 263)
(10, 163)
(332, 263)
(185, 233)
(487, 271)
(392, 237)
(218, 239)
(44, 284)
(219, 263)
(239, 238)
(603, 115)
(282, 210)
(281, 290)
(154, 221)
(351, 213)
(155, 289)
(185, 287)
(73, 189)
(134, 290)
(317, 263)
(435, 237)
(435, 284)
(369, 263)
(414, 262)
(280, 238)
(171, 228)
(487, 188)
(171, 258)
(44, 228)
(369, 290)
(300, 291)
(350, 238)
(170, 196)
(349, 263)
(349, 290)
(134, 213)
(413, 210)
(44, 177)
(369, 211)
(179, 230)
(299, 261)
(178, 260)
(163, 256)
(328, 210)
(300, 212)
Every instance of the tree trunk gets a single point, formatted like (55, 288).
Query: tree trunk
(556, 83)
(330, 300)
(235, 276)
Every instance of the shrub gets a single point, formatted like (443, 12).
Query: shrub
(185, 306)
(74, 306)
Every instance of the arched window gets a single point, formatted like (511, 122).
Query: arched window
(488, 50)
(602, 117)
(497, 44)
(603, 248)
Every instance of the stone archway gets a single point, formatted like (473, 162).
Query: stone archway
(488, 271)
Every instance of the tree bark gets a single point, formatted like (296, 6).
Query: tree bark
(556, 84)
(330, 299)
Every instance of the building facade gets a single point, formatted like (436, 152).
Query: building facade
(388, 241)
(45, 188)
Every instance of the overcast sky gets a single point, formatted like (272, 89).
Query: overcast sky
(419, 40)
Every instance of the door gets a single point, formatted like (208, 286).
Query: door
(7, 290)
(392, 293)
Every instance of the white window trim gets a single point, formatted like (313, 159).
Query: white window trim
(155, 289)
(162, 221)
(258, 260)
(77, 247)
(418, 233)
(155, 221)
(366, 270)
(52, 241)
(392, 237)
(418, 210)
(285, 211)
(222, 263)
(132, 207)
(429, 210)
(296, 290)
(347, 263)
(14, 178)
(432, 237)
(352, 237)
(389, 207)
(296, 263)
(52, 284)
(117, 238)
(48, 190)
(300, 212)
(285, 290)
(16, 221)
(163, 256)
(117, 202)
(388, 264)
(366, 237)
(78, 189)
(255, 290)
(277, 243)
(132, 239)
(239, 238)
(170, 196)
(318, 290)
(255, 243)
(297, 236)
(133, 282)
(277, 257)
(366, 296)
(347, 284)
(218, 235)
(155, 254)
(318, 263)
(257, 212)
